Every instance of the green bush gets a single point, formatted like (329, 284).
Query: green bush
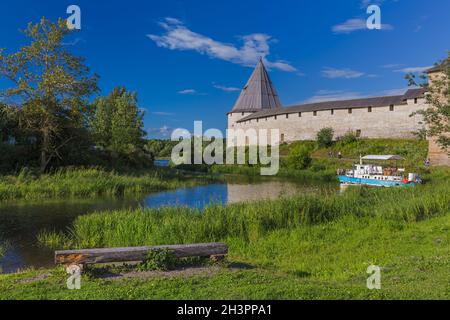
(299, 158)
(325, 137)
(348, 138)
(159, 260)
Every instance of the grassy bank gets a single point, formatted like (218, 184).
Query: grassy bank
(89, 183)
(324, 261)
(328, 175)
(323, 167)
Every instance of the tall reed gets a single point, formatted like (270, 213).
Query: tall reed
(84, 183)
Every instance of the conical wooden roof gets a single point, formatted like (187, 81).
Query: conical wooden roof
(258, 94)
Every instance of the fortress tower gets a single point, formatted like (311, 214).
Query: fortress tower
(257, 95)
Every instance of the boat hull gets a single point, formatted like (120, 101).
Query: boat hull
(374, 182)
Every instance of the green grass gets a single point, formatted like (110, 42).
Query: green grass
(89, 183)
(414, 151)
(324, 261)
(252, 221)
(324, 168)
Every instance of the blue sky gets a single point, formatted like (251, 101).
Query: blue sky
(188, 59)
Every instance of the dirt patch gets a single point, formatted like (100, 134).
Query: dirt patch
(184, 272)
(37, 278)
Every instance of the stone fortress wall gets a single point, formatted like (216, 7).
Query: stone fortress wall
(369, 122)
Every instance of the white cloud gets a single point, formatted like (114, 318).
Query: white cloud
(178, 37)
(391, 66)
(226, 89)
(74, 42)
(356, 24)
(163, 131)
(161, 113)
(366, 3)
(413, 69)
(334, 73)
(188, 91)
(392, 92)
(333, 95)
(337, 95)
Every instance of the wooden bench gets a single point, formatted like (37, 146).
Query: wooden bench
(215, 251)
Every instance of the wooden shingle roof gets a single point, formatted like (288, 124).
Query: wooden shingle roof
(258, 94)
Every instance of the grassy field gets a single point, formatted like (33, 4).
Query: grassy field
(89, 183)
(324, 261)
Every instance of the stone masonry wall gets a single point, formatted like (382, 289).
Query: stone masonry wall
(380, 123)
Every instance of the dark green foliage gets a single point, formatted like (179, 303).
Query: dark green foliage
(325, 137)
(159, 260)
(349, 138)
(117, 128)
(299, 158)
(160, 148)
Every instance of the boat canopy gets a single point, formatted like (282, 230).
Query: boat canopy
(382, 157)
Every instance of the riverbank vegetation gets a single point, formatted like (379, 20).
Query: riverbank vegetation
(251, 221)
(304, 247)
(90, 183)
(319, 160)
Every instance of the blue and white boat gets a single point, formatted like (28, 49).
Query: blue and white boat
(375, 175)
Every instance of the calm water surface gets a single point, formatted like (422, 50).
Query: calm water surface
(20, 222)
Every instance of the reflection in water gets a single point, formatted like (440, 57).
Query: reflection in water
(21, 222)
(161, 163)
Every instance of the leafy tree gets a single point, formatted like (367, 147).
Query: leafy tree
(117, 124)
(160, 148)
(437, 117)
(53, 86)
(325, 137)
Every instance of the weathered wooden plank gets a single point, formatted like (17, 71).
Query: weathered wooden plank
(109, 255)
